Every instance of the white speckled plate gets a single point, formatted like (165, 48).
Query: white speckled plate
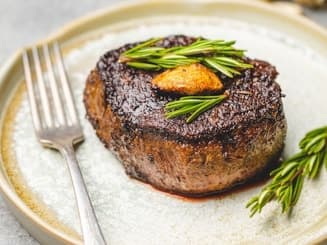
(36, 185)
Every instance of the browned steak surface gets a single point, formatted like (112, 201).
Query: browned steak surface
(254, 97)
(224, 146)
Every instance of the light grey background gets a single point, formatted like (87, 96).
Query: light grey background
(23, 22)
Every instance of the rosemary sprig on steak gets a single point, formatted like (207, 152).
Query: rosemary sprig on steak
(192, 106)
(219, 55)
(288, 179)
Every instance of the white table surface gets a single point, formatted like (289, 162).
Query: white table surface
(23, 22)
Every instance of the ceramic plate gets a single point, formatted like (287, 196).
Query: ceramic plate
(36, 183)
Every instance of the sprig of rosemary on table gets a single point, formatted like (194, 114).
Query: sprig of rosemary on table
(192, 106)
(218, 55)
(287, 180)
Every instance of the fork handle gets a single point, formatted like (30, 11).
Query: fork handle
(91, 231)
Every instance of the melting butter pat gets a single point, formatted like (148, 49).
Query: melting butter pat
(188, 80)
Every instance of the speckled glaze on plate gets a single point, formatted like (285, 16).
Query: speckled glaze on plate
(129, 211)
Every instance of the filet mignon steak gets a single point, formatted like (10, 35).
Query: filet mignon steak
(224, 146)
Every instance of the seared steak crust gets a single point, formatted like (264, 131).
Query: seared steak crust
(222, 147)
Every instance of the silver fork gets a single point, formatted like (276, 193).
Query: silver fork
(57, 126)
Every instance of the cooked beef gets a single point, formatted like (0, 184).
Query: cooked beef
(224, 146)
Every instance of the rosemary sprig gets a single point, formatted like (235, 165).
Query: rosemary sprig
(218, 55)
(287, 180)
(192, 106)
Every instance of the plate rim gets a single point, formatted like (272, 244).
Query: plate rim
(17, 206)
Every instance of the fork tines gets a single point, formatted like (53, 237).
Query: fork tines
(49, 92)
